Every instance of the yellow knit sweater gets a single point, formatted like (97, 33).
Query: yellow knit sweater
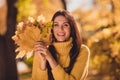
(80, 68)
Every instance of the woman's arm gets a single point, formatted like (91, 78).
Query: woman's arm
(39, 49)
(42, 54)
(39, 71)
(80, 68)
(45, 55)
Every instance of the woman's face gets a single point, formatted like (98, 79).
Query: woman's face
(61, 28)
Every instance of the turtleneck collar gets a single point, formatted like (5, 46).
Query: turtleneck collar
(63, 48)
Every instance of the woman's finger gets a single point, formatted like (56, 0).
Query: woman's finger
(41, 50)
(40, 46)
(42, 56)
(40, 43)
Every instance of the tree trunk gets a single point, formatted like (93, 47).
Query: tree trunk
(64, 4)
(8, 70)
(2, 59)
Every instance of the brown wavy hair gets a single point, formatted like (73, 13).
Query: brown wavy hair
(77, 41)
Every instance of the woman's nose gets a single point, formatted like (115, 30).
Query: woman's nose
(61, 28)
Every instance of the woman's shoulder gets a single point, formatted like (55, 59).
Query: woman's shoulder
(85, 50)
(84, 54)
(85, 47)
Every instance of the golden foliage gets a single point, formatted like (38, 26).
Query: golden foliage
(29, 32)
(101, 27)
(25, 8)
(47, 7)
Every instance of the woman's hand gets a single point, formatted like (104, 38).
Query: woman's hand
(41, 49)
(45, 55)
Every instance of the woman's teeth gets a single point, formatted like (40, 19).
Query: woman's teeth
(61, 34)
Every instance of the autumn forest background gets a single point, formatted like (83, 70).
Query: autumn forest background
(99, 28)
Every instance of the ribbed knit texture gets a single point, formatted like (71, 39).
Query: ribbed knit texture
(63, 49)
(80, 68)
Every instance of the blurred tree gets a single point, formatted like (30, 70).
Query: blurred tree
(25, 8)
(37, 7)
(3, 12)
(101, 27)
(64, 4)
(48, 7)
(7, 54)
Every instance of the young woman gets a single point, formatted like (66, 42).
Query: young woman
(67, 58)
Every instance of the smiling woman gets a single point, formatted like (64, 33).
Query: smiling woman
(66, 58)
(61, 28)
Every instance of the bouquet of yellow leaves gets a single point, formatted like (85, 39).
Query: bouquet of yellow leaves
(27, 33)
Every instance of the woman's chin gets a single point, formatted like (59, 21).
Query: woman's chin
(60, 40)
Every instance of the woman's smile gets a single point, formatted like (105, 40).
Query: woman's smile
(61, 28)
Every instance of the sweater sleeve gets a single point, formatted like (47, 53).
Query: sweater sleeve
(37, 73)
(80, 68)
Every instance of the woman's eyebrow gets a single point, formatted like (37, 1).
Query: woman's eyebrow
(64, 22)
(55, 22)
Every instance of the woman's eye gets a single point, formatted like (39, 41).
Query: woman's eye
(55, 25)
(66, 25)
